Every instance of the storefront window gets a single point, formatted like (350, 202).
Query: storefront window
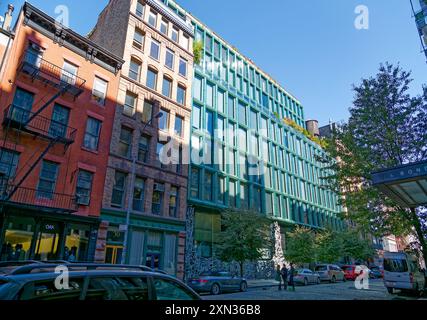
(17, 241)
(76, 243)
(47, 242)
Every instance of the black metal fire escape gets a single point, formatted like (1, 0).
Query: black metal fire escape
(19, 120)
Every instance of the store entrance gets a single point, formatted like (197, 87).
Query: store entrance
(113, 254)
(47, 241)
(153, 260)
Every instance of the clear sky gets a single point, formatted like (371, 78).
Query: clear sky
(311, 47)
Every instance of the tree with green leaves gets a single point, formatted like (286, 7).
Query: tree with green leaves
(387, 128)
(301, 246)
(329, 246)
(245, 236)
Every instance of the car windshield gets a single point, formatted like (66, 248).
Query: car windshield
(395, 265)
(321, 268)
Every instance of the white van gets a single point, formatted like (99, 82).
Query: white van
(401, 271)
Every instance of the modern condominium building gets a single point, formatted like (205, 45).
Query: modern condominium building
(147, 176)
(419, 8)
(248, 150)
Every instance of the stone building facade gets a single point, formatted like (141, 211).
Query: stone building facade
(150, 135)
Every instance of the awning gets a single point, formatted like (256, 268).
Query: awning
(406, 184)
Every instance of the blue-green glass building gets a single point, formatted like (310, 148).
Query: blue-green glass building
(231, 94)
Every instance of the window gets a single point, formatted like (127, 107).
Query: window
(208, 44)
(170, 59)
(185, 42)
(175, 35)
(93, 130)
(196, 117)
(195, 182)
(155, 49)
(125, 142)
(170, 290)
(152, 79)
(183, 67)
(242, 113)
(22, 105)
(164, 120)
(99, 91)
(147, 111)
(84, 187)
(157, 203)
(143, 148)
(231, 107)
(167, 87)
(181, 94)
(232, 194)
(207, 183)
(173, 202)
(220, 102)
(118, 189)
(134, 70)
(47, 180)
(130, 104)
(138, 195)
(45, 290)
(138, 39)
(164, 27)
(198, 88)
(59, 122)
(8, 163)
(178, 126)
(159, 154)
(152, 19)
(209, 95)
(69, 73)
(139, 9)
(209, 123)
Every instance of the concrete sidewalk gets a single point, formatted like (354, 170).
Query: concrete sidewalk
(262, 283)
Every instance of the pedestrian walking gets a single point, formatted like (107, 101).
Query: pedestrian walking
(284, 273)
(291, 277)
(279, 277)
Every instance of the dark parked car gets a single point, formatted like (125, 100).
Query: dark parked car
(38, 282)
(217, 282)
(376, 272)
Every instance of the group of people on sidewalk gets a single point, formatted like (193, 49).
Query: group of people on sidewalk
(286, 277)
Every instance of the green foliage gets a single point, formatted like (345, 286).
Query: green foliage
(245, 236)
(321, 142)
(197, 51)
(301, 246)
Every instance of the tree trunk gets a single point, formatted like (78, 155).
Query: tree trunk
(420, 234)
(241, 269)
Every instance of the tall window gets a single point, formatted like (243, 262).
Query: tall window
(207, 194)
(152, 19)
(22, 105)
(157, 201)
(125, 142)
(155, 49)
(220, 102)
(93, 130)
(119, 187)
(175, 35)
(164, 120)
(232, 194)
(59, 123)
(143, 148)
(181, 94)
(47, 180)
(152, 79)
(231, 107)
(209, 95)
(8, 163)
(196, 117)
(164, 27)
(209, 123)
(197, 88)
(138, 195)
(179, 126)
(170, 59)
(185, 42)
(134, 70)
(130, 104)
(69, 73)
(167, 87)
(138, 39)
(195, 183)
(183, 67)
(173, 202)
(84, 187)
(139, 9)
(147, 111)
(99, 91)
(242, 113)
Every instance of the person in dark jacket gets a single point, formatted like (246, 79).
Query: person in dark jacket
(284, 274)
(279, 277)
(291, 277)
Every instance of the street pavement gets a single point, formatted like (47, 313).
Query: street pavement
(324, 291)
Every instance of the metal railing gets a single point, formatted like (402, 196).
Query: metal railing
(38, 198)
(21, 118)
(37, 67)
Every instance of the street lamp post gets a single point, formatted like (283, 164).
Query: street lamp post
(130, 198)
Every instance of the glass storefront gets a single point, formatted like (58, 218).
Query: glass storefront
(76, 243)
(17, 240)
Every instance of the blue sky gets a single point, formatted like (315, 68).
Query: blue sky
(311, 47)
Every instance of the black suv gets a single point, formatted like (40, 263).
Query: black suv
(39, 281)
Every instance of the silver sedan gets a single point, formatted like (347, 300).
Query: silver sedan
(306, 276)
(218, 282)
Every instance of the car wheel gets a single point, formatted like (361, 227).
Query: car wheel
(243, 287)
(215, 290)
(333, 280)
(390, 290)
(305, 282)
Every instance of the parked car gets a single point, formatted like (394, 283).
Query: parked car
(217, 282)
(306, 276)
(330, 272)
(36, 282)
(376, 272)
(351, 271)
(401, 271)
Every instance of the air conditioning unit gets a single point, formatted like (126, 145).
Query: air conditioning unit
(159, 187)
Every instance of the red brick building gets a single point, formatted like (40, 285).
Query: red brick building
(57, 102)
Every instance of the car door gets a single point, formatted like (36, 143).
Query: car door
(168, 289)
(226, 281)
(309, 275)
